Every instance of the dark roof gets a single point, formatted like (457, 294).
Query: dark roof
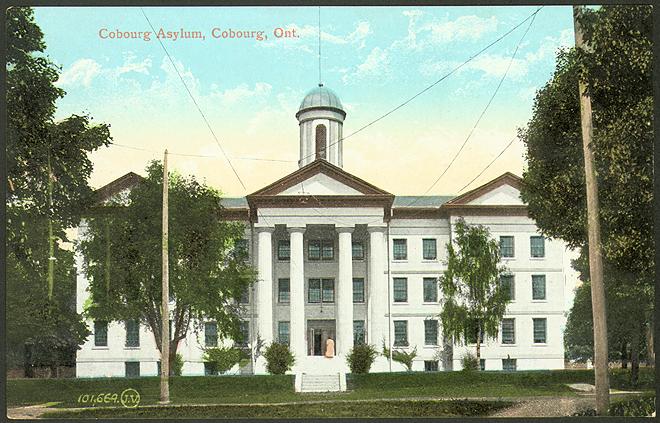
(106, 192)
(234, 202)
(421, 200)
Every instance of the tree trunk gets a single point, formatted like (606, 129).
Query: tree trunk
(624, 355)
(650, 352)
(479, 347)
(634, 356)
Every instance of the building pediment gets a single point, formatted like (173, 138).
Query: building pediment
(499, 196)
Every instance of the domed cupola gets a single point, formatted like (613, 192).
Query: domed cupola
(321, 117)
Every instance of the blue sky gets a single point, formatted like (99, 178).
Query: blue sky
(374, 58)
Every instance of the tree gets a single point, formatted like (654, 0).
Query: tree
(617, 67)
(122, 259)
(474, 301)
(47, 190)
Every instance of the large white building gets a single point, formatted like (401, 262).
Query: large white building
(340, 258)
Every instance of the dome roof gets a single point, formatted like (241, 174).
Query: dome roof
(321, 97)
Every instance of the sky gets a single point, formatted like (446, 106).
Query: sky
(374, 58)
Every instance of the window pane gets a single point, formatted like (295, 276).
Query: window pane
(471, 333)
(132, 333)
(283, 290)
(283, 249)
(132, 368)
(539, 331)
(506, 246)
(328, 290)
(537, 246)
(429, 247)
(358, 290)
(314, 250)
(430, 332)
(101, 333)
(211, 334)
(241, 248)
(358, 251)
(509, 285)
(482, 364)
(538, 287)
(358, 332)
(509, 365)
(314, 292)
(245, 296)
(508, 331)
(400, 333)
(210, 369)
(283, 332)
(244, 328)
(328, 249)
(430, 290)
(430, 365)
(400, 249)
(400, 290)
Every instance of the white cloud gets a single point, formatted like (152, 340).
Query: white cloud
(360, 34)
(374, 65)
(550, 45)
(496, 65)
(81, 72)
(462, 28)
(243, 91)
(130, 65)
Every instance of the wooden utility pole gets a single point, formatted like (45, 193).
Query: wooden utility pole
(165, 298)
(593, 226)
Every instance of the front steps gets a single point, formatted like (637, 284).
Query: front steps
(320, 383)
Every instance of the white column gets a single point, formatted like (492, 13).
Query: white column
(344, 315)
(265, 284)
(377, 289)
(297, 294)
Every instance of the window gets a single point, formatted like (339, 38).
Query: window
(400, 333)
(538, 287)
(283, 249)
(320, 141)
(316, 295)
(328, 290)
(509, 364)
(283, 332)
(241, 248)
(482, 364)
(358, 290)
(472, 331)
(283, 290)
(100, 333)
(358, 250)
(244, 328)
(430, 332)
(132, 368)
(540, 331)
(508, 331)
(430, 290)
(321, 249)
(211, 334)
(537, 246)
(400, 290)
(358, 332)
(132, 333)
(245, 296)
(400, 249)
(509, 285)
(210, 369)
(429, 249)
(430, 365)
(506, 246)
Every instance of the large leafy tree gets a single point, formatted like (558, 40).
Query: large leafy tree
(208, 273)
(47, 190)
(474, 300)
(617, 66)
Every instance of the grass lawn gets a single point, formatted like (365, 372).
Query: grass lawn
(410, 408)
(271, 389)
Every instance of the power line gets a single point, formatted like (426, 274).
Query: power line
(195, 101)
(489, 164)
(499, 85)
(436, 82)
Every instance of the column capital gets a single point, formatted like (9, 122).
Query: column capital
(345, 229)
(295, 229)
(372, 228)
(270, 229)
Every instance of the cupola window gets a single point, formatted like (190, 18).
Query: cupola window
(320, 141)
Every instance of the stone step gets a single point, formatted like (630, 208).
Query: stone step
(320, 383)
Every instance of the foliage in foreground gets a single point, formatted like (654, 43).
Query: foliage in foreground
(401, 356)
(416, 408)
(637, 407)
(361, 357)
(279, 358)
(223, 359)
(470, 362)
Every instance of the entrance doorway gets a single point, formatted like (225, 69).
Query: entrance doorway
(319, 331)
